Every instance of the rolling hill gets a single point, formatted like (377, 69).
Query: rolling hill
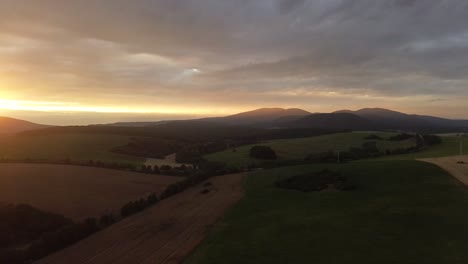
(363, 119)
(259, 116)
(345, 121)
(389, 119)
(11, 125)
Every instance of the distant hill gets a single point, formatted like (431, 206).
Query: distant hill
(345, 121)
(363, 119)
(259, 116)
(389, 119)
(11, 125)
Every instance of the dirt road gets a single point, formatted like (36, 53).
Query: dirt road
(165, 233)
(457, 166)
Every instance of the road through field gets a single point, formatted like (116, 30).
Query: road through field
(165, 233)
(457, 166)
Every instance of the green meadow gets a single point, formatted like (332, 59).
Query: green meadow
(401, 212)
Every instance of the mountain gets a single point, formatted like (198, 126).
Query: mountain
(259, 117)
(345, 121)
(11, 125)
(363, 119)
(389, 119)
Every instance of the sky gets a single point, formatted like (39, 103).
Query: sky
(81, 62)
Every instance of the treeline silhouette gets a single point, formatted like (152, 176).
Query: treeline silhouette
(180, 170)
(369, 149)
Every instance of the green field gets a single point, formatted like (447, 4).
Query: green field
(78, 147)
(401, 212)
(299, 148)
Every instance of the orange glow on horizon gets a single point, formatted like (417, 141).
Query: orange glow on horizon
(22, 105)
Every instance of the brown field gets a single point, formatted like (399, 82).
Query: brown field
(168, 160)
(73, 191)
(453, 166)
(165, 233)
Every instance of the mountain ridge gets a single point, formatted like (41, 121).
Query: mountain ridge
(12, 125)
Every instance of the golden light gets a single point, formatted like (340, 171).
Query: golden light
(76, 107)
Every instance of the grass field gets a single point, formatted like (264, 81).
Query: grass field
(401, 212)
(73, 191)
(80, 147)
(293, 149)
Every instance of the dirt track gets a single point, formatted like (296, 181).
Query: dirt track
(165, 233)
(451, 165)
(74, 191)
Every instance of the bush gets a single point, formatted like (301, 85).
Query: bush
(316, 182)
(432, 139)
(401, 137)
(263, 152)
(373, 137)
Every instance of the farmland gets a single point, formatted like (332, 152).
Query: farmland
(299, 148)
(79, 147)
(73, 191)
(164, 233)
(401, 212)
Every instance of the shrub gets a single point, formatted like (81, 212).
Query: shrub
(401, 137)
(316, 182)
(373, 137)
(263, 152)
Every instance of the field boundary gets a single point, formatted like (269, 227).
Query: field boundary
(450, 165)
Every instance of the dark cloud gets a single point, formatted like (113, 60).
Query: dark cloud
(160, 49)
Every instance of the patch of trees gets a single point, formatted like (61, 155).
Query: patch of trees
(134, 207)
(263, 152)
(148, 148)
(431, 140)
(28, 234)
(369, 149)
(322, 180)
(189, 156)
(401, 137)
(373, 137)
(22, 223)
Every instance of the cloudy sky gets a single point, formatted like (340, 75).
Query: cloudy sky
(83, 61)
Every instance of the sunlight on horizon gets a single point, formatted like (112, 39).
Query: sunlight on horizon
(22, 105)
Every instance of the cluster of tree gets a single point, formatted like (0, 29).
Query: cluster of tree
(181, 170)
(369, 149)
(190, 156)
(431, 140)
(401, 137)
(263, 152)
(28, 234)
(22, 223)
(373, 137)
(134, 207)
(149, 147)
(325, 179)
